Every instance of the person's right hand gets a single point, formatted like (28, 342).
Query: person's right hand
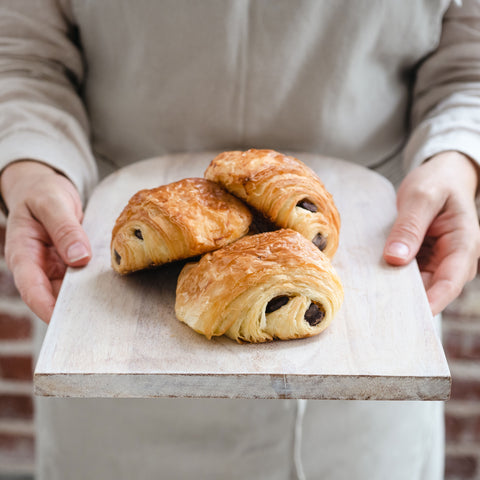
(43, 232)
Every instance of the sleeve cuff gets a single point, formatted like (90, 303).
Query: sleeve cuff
(78, 167)
(425, 142)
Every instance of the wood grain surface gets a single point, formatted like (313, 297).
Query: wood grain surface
(114, 336)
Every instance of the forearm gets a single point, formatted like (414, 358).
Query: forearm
(42, 116)
(445, 112)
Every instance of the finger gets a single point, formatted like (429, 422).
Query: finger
(34, 288)
(56, 284)
(55, 268)
(447, 281)
(426, 279)
(406, 236)
(36, 266)
(61, 219)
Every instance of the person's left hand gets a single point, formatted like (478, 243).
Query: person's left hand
(437, 223)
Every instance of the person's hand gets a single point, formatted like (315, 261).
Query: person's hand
(43, 232)
(437, 223)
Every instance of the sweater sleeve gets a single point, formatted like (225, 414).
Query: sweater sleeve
(446, 99)
(42, 116)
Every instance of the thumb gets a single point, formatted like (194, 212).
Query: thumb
(61, 219)
(407, 233)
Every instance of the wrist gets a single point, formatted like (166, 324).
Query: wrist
(459, 165)
(14, 176)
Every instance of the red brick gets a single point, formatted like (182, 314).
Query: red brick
(17, 447)
(462, 345)
(465, 389)
(16, 406)
(462, 429)
(15, 327)
(463, 317)
(2, 239)
(7, 285)
(16, 367)
(460, 467)
(458, 310)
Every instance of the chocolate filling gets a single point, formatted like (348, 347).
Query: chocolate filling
(138, 233)
(314, 314)
(260, 223)
(118, 258)
(320, 241)
(276, 303)
(307, 205)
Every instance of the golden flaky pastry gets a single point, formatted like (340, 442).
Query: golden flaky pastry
(274, 285)
(284, 190)
(176, 221)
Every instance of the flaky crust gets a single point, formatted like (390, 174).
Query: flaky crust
(176, 221)
(229, 291)
(277, 185)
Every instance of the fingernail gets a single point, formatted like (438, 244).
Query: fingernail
(398, 250)
(77, 251)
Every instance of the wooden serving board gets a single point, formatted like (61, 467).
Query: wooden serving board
(114, 336)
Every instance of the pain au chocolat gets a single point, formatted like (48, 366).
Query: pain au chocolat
(176, 221)
(273, 285)
(284, 190)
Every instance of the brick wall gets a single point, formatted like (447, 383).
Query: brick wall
(461, 327)
(17, 437)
